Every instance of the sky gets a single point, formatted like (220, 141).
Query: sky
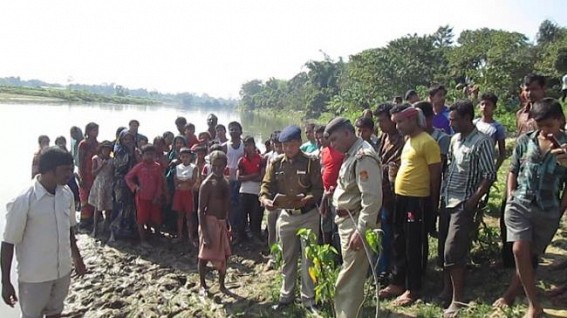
(215, 46)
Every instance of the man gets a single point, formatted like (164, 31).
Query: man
(534, 90)
(470, 173)
(39, 223)
(412, 96)
(358, 198)
(310, 145)
(416, 186)
(389, 150)
(133, 126)
(564, 88)
(212, 121)
(487, 125)
(365, 130)
(234, 150)
(296, 176)
(437, 99)
(273, 215)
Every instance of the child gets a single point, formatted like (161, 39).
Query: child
(185, 176)
(200, 152)
(61, 142)
(204, 138)
(161, 152)
(534, 206)
(221, 134)
(43, 142)
(168, 138)
(100, 196)
(207, 167)
(145, 180)
(488, 126)
(250, 172)
(214, 244)
(189, 133)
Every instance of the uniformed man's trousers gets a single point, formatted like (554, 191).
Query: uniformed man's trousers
(287, 226)
(273, 217)
(349, 292)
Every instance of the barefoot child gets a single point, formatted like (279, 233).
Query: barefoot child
(185, 176)
(101, 193)
(145, 180)
(214, 244)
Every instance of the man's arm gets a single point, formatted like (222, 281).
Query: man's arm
(80, 268)
(435, 183)
(267, 188)
(501, 153)
(8, 291)
(488, 171)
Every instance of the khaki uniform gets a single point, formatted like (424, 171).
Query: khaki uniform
(359, 190)
(300, 175)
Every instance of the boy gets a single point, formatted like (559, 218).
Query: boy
(365, 130)
(189, 133)
(184, 179)
(214, 244)
(310, 145)
(220, 134)
(488, 126)
(39, 222)
(145, 180)
(250, 173)
(534, 206)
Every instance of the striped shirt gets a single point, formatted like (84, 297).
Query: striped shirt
(470, 160)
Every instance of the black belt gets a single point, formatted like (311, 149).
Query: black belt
(303, 210)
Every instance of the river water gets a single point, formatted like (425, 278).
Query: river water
(21, 124)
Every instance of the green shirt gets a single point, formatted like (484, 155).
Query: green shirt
(309, 147)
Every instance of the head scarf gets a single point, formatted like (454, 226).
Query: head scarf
(411, 112)
(119, 146)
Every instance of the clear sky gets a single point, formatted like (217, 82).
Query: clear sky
(214, 46)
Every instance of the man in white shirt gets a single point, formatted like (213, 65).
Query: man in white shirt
(564, 88)
(39, 223)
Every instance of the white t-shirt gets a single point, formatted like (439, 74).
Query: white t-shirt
(565, 81)
(183, 172)
(233, 155)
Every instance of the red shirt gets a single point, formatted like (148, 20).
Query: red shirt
(331, 161)
(248, 165)
(192, 141)
(149, 176)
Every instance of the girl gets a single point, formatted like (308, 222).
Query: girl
(185, 177)
(43, 142)
(101, 192)
(88, 147)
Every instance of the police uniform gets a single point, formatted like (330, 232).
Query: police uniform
(358, 192)
(300, 175)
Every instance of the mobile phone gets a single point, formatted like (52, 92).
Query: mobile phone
(555, 143)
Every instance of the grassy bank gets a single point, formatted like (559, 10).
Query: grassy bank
(14, 94)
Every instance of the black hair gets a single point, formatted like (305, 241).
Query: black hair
(320, 129)
(148, 148)
(435, 89)
(365, 122)
(167, 133)
(547, 108)
(235, 123)
(159, 139)
(42, 138)
(216, 147)
(384, 109)
(142, 137)
(220, 126)
(189, 126)
(398, 109)
(489, 96)
(275, 137)
(409, 94)
(54, 157)
(463, 108)
(90, 126)
(180, 121)
(119, 130)
(60, 139)
(531, 78)
(248, 140)
(105, 144)
(134, 121)
(185, 150)
(398, 99)
(310, 126)
(206, 133)
(426, 108)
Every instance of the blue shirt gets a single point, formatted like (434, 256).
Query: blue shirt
(540, 177)
(441, 121)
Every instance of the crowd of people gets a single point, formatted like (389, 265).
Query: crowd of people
(426, 171)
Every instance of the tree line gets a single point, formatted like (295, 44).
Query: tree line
(493, 60)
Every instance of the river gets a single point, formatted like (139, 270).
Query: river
(21, 124)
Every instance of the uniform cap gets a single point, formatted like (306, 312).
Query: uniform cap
(290, 133)
(335, 124)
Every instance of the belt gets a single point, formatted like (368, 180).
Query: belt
(344, 213)
(303, 210)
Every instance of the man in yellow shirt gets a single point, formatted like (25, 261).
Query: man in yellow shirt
(416, 183)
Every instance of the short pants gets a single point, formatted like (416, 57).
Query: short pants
(147, 212)
(526, 221)
(43, 299)
(455, 228)
(183, 201)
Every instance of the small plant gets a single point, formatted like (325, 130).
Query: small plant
(323, 270)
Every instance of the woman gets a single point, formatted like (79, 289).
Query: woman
(76, 138)
(124, 213)
(88, 148)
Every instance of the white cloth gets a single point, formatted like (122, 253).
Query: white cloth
(38, 223)
(564, 82)
(233, 155)
(250, 187)
(183, 172)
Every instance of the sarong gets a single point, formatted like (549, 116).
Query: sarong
(219, 249)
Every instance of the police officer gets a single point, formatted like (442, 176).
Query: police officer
(357, 198)
(295, 177)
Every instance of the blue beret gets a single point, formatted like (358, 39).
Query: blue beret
(290, 133)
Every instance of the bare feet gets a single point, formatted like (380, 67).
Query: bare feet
(391, 291)
(405, 299)
(203, 292)
(502, 303)
(453, 310)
